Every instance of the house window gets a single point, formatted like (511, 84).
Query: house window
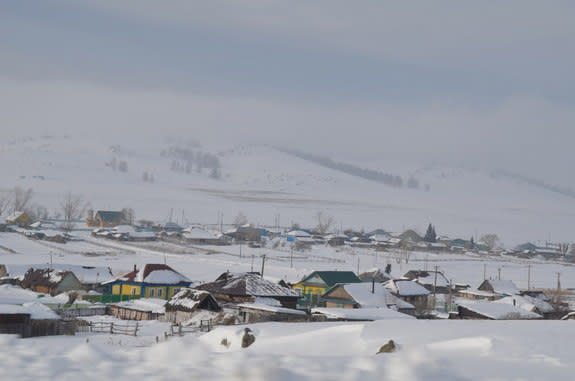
(152, 291)
(159, 292)
(133, 290)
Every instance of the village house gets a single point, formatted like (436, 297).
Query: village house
(498, 286)
(32, 320)
(249, 287)
(313, 286)
(187, 303)
(18, 218)
(200, 236)
(364, 295)
(269, 310)
(106, 219)
(245, 233)
(51, 281)
(149, 281)
(493, 311)
(409, 238)
(409, 291)
(531, 304)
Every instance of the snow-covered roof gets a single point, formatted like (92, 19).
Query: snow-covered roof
(404, 287)
(37, 311)
(299, 234)
(379, 237)
(381, 297)
(145, 304)
(199, 233)
(14, 216)
(498, 311)
(124, 229)
(188, 299)
(268, 308)
(85, 274)
(361, 313)
(10, 294)
(250, 284)
(153, 273)
(506, 287)
(528, 303)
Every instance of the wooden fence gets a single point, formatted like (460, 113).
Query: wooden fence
(181, 330)
(111, 328)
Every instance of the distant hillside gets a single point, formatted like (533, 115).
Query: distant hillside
(368, 174)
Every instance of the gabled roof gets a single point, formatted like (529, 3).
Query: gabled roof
(405, 287)
(331, 278)
(45, 277)
(528, 303)
(109, 216)
(410, 235)
(153, 273)
(14, 216)
(246, 284)
(363, 295)
(498, 311)
(506, 287)
(189, 300)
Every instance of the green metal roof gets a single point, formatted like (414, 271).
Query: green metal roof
(109, 216)
(332, 278)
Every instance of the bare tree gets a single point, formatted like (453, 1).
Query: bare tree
(128, 216)
(240, 220)
(4, 202)
(491, 240)
(73, 207)
(21, 198)
(324, 222)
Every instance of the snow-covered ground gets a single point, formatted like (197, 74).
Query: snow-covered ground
(428, 350)
(205, 263)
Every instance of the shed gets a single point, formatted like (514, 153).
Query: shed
(187, 302)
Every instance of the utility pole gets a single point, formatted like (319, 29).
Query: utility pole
(358, 265)
(528, 277)
(558, 287)
(240, 249)
(252, 267)
(499, 273)
(485, 271)
(263, 264)
(435, 286)
(291, 257)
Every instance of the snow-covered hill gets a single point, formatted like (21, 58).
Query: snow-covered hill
(263, 182)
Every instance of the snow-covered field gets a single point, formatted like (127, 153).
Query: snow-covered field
(428, 350)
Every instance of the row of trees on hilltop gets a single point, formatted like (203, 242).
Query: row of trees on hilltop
(369, 174)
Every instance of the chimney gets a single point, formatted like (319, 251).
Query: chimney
(134, 267)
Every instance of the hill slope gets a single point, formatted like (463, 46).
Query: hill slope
(263, 182)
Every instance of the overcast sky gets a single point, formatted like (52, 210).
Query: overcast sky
(488, 82)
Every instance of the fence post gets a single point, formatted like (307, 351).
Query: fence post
(136, 329)
(180, 330)
(112, 327)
